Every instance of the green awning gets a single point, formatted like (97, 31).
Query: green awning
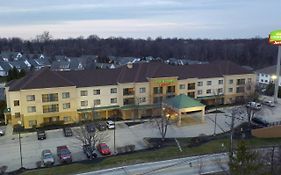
(182, 101)
(209, 97)
(99, 108)
(131, 107)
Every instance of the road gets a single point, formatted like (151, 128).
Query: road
(199, 164)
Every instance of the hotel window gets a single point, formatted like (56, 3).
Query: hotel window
(261, 80)
(113, 90)
(31, 109)
(32, 123)
(17, 115)
(129, 101)
(240, 81)
(84, 93)
(208, 91)
(220, 81)
(96, 92)
(265, 81)
(84, 103)
(50, 108)
(240, 89)
(191, 86)
(113, 100)
(230, 89)
(97, 102)
(249, 80)
(171, 89)
(16, 102)
(199, 92)
(191, 94)
(158, 90)
(128, 91)
(142, 90)
(49, 97)
(182, 86)
(65, 95)
(209, 83)
(30, 98)
(200, 83)
(157, 99)
(66, 105)
(231, 81)
(220, 90)
(66, 118)
(141, 100)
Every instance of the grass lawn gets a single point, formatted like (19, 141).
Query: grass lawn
(148, 156)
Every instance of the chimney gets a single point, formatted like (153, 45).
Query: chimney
(130, 65)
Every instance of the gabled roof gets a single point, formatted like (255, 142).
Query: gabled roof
(140, 72)
(268, 70)
(5, 65)
(43, 78)
(182, 101)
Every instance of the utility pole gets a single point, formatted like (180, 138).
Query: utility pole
(277, 75)
(272, 159)
(233, 113)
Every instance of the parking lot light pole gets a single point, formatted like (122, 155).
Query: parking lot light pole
(19, 130)
(114, 144)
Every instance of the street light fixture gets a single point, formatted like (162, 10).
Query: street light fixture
(19, 130)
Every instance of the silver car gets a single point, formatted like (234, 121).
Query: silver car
(2, 132)
(47, 157)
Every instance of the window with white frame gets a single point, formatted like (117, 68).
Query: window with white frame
(182, 86)
(65, 95)
(31, 109)
(209, 83)
(200, 83)
(30, 98)
(113, 100)
(199, 92)
(97, 102)
(208, 91)
(142, 90)
(84, 103)
(113, 90)
(96, 91)
(66, 105)
(84, 93)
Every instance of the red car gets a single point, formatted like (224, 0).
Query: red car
(103, 149)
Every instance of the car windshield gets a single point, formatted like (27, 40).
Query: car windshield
(48, 156)
(65, 151)
(103, 146)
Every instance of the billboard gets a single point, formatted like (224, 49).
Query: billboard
(275, 37)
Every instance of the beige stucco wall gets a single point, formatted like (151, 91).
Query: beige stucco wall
(214, 86)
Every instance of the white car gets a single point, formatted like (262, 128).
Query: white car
(269, 103)
(47, 157)
(2, 132)
(110, 124)
(254, 105)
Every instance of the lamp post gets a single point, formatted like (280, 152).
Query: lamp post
(114, 140)
(19, 130)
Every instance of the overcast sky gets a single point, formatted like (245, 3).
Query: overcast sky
(215, 19)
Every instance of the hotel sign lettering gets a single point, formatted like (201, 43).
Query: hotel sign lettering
(275, 37)
(165, 82)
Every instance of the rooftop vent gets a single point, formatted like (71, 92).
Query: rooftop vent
(130, 65)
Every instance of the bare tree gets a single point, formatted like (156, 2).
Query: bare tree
(201, 165)
(162, 124)
(45, 36)
(90, 138)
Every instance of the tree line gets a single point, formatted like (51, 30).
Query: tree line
(255, 52)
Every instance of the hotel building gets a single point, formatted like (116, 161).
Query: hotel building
(132, 91)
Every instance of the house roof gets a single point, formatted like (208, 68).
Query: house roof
(182, 101)
(5, 65)
(138, 73)
(268, 70)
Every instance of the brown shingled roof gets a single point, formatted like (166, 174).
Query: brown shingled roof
(46, 78)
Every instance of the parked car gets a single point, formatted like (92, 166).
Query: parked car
(41, 135)
(253, 105)
(47, 157)
(64, 154)
(103, 149)
(2, 132)
(110, 124)
(269, 103)
(101, 126)
(90, 127)
(89, 151)
(260, 122)
(67, 132)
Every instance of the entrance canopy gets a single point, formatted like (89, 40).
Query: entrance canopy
(184, 104)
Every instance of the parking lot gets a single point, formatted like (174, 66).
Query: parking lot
(125, 135)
